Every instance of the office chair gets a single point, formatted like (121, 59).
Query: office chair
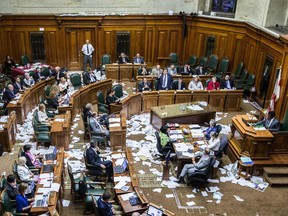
(162, 150)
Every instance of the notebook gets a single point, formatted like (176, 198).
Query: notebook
(152, 210)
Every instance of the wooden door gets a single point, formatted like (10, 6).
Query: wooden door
(75, 38)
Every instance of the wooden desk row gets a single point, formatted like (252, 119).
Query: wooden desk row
(186, 79)
(86, 94)
(55, 198)
(29, 100)
(121, 72)
(8, 134)
(61, 130)
(118, 133)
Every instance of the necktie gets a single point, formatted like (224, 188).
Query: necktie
(228, 84)
(123, 59)
(164, 81)
(270, 123)
(87, 49)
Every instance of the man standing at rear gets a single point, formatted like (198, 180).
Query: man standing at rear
(87, 50)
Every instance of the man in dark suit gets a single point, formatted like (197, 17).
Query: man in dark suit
(138, 59)
(9, 94)
(96, 127)
(18, 87)
(144, 85)
(165, 81)
(111, 98)
(227, 83)
(123, 59)
(58, 74)
(178, 85)
(186, 69)
(93, 158)
(270, 123)
(200, 165)
(11, 187)
(89, 77)
(28, 81)
(37, 75)
(105, 207)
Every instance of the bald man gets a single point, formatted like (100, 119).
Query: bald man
(87, 50)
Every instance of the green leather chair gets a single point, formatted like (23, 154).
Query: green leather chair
(223, 67)
(106, 59)
(74, 186)
(174, 59)
(47, 90)
(75, 79)
(42, 132)
(242, 77)
(238, 71)
(211, 64)
(192, 60)
(246, 84)
(118, 90)
(156, 84)
(102, 106)
(45, 72)
(25, 60)
(99, 137)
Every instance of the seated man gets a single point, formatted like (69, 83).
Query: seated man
(9, 94)
(105, 208)
(89, 77)
(180, 86)
(172, 70)
(138, 59)
(18, 87)
(270, 123)
(38, 75)
(123, 59)
(144, 85)
(201, 164)
(156, 71)
(143, 70)
(227, 83)
(186, 69)
(87, 112)
(28, 81)
(11, 187)
(96, 127)
(93, 158)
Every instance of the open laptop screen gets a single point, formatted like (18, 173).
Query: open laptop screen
(153, 211)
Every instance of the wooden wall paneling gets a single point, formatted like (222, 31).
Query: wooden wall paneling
(137, 38)
(237, 51)
(7, 45)
(259, 70)
(175, 39)
(51, 47)
(162, 48)
(150, 46)
(110, 43)
(166, 97)
(23, 43)
(72, 49)
(201, 44)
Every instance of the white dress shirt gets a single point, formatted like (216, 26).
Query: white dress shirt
(87, 49)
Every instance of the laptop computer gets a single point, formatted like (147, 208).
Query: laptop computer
(51, 156)
(47, 168)
(121, 168)
(153, 211)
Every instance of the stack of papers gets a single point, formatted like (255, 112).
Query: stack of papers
(196, 133)
(171, 132)
(114, 125)
(195, 107)
(194, 126)
(176, 136)
(114, 120)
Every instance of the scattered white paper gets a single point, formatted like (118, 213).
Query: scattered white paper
(157, 190)
(169, 195)
(238, 198)
(190, 203)
(65, 203)
(190, 196)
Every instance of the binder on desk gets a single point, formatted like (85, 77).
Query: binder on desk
(246, 160)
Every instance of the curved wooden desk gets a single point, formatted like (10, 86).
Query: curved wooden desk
(29, 100)
(86, 94)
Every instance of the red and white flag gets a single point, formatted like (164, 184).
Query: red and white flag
(276, 92)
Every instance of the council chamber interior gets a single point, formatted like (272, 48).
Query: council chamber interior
(168, 87)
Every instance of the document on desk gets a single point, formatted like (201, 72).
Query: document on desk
(171, 132)
(112, 120)
(43, 190)
(114, 125)
(195, 107)
(194, 126)
(59, 120)
(182, 147)
(126, 197)
(55, 187)
(117, 156)
(120, 185)
(122, 178)
(176, 136)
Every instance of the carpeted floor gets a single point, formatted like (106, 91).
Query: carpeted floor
(270, 202)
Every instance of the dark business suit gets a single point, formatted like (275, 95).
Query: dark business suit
(224, 84)
(37, 77)
(185, 70)
(58, 76)
(111, 99)
(139, 60)
(142, 87)
(94, 159)
(123, 60)
(175, 85)
(8, 95)
(89, 78)
(273, 126)
(104, 208)
(11, 191)
(161, 85)
(52, 103)
(17, 87)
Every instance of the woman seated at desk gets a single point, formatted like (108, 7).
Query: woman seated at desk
(53, 101)
(214, 143)
(111, 98)
(212, 128)
(26, 175)
(42, 115)
(63, 86)
(31, 159)
(195, 84)
(22, 202)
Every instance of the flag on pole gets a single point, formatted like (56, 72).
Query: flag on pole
(276, 92)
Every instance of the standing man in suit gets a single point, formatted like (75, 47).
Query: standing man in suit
(138, 59)
(227, 83)
(123, 59)
(201, 165)
(93, 158)
(270, 123)
(165, 81)
(144, 85)
(89, 77)
(87, 50)
(178, 85)
(9, 94)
